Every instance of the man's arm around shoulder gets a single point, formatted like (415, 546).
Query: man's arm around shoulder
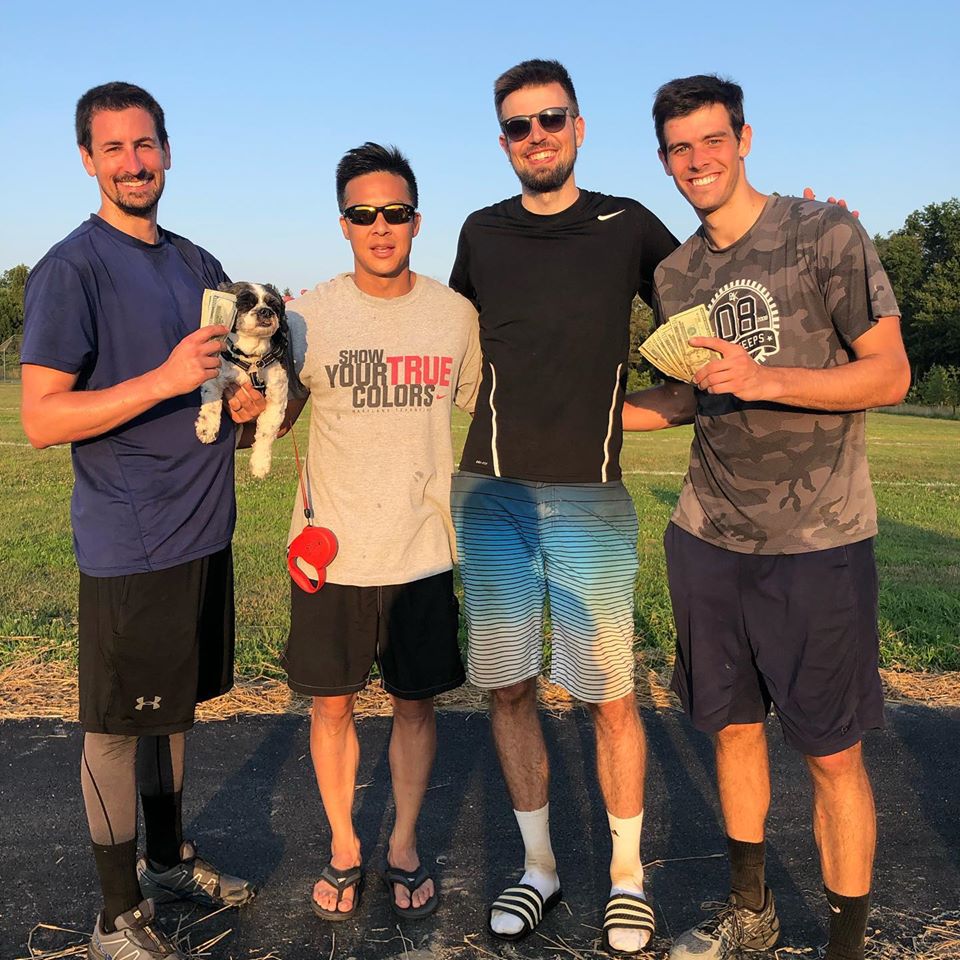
(667, 405)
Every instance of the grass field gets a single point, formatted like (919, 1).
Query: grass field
(914, 464)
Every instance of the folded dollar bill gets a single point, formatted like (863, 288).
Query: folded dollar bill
(218, 307)
(668, 347)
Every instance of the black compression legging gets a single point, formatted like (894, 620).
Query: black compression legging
(110, 769)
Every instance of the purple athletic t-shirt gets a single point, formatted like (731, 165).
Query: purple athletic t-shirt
(148, 494)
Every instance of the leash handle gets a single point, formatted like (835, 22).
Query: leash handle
(307, 512)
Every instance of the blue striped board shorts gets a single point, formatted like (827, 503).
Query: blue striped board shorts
(520, 541)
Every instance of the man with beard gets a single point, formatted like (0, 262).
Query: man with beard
(112, 362)
(539, 505)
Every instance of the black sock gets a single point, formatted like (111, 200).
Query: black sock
(746, 872)
(117, 867)
(848, 926)
(162, 822)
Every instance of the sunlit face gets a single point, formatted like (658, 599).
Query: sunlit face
(704, 157)
(543, 162)
(382, 249)
(127, 159)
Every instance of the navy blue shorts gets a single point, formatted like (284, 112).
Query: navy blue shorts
(798, 631)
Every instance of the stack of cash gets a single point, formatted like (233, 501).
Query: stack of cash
(667, 347)
(218, 307)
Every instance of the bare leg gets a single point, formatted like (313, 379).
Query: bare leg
(844, 821)
(519, 741)
(413, 746)
(518, 738)
(336, 754)
(621, 770)
(621, 755)
(743, 780)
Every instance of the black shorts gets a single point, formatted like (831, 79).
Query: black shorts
(798, 631)
(408, 629)
(154, 645)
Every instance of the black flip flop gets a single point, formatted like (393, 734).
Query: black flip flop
(341, 881)
(412, 881)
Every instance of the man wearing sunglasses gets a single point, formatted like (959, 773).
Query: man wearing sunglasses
(539, 505)
(385, 354)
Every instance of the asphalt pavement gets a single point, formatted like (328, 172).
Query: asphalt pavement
(252, 807)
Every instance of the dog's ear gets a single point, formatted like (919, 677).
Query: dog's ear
(224, 285)
(271, 289)
(282, 336)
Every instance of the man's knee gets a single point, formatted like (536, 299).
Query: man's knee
(616, 715)
(517, 696)
(739, 737)
(332, 713)
(413, 712)
(837, 767)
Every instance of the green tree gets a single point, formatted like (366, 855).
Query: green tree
(922, 260)
(640, 373)
(12, 282)
(934, 390)
(953, 392)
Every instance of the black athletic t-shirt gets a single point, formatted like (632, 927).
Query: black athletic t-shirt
(554, 295)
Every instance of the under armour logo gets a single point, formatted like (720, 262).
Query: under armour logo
(141, 703)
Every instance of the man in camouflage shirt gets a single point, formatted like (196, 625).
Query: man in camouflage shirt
(770, 548)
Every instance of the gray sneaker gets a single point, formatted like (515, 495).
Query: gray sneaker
(135, 938)
(729, 930)
(195, 880)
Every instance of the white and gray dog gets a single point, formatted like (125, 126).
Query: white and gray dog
(256, 351)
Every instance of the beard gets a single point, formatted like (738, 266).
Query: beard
(144, 202)
(546, 181)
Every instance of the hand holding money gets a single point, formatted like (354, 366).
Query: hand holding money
(218, 309)
(738, 373)
(668, 347)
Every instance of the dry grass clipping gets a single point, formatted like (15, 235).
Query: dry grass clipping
(48, 941)
(901, 936)
(35, 686)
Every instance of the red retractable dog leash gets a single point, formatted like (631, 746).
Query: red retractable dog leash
(316, 546)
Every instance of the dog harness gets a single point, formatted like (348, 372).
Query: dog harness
(253, 367)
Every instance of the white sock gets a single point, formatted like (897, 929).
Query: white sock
(626, 876)
(539, 864)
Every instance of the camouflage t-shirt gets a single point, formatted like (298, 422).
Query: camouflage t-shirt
(796, 290)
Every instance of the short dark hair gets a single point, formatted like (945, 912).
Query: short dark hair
(534, 73)
(372, 158)
(678, 98)
(116, 96)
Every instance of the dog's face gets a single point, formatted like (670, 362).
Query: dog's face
(260, 311)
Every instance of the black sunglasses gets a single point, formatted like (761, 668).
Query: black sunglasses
(551, 120)
(363, 214)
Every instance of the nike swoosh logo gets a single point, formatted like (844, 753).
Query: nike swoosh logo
(609, 216)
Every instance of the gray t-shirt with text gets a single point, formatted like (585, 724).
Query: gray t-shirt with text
(384, 376)
(796, 291)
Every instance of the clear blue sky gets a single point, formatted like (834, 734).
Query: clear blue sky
(262, 100)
